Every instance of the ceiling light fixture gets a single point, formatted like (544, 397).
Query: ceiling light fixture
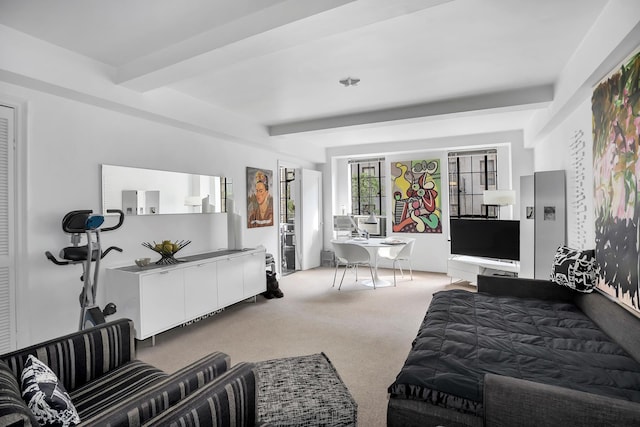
(349, 81)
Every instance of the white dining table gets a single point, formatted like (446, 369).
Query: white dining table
(372, 245)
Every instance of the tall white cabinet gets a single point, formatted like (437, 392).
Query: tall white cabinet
(543, 221)
(550, 228)
(160, 298)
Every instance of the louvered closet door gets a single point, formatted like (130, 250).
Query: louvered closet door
(7, 261)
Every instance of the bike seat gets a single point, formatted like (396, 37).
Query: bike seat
(78, 253)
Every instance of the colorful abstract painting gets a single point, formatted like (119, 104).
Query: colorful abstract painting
(615, 106)
(416, 196)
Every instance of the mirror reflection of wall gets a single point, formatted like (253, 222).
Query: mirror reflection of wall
(140, 202)
(138, 191)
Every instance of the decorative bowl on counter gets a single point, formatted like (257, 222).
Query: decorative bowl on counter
(143, 262)
(167, 250)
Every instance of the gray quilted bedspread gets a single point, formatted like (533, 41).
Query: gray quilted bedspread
(465, 335)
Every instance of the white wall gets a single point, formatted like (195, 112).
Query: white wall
(612, 38)
(430, 250)
(553, 153)
(67, 141)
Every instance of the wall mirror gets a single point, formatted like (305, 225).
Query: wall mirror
(138, 191)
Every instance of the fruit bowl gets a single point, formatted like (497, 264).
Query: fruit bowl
(167, 250)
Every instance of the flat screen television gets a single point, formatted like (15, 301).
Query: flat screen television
(488, 238)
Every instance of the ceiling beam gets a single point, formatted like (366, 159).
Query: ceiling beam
(282, 26)
(535, 96)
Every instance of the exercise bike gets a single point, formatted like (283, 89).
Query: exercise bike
(85, 222)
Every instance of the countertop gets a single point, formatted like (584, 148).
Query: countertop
(189, 258)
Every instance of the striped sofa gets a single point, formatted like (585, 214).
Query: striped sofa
(109, 387)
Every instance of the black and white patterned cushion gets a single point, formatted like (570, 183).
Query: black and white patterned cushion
(45, 395)
(303, 391)
(574, 268)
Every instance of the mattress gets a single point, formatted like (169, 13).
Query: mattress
(465, 335)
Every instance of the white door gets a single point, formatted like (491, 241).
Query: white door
(7, 247)
(309, 234)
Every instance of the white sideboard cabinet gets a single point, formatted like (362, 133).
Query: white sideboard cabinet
(158, 298)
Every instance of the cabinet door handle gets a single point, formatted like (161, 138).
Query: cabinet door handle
(164, 272)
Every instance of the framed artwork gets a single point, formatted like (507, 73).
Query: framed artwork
(259, 199)
(549, 213)
(416, 196)
(616, 172)
(530, 212)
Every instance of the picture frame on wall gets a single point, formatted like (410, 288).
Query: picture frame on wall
(416, 196)
(259, 199)
(616, 162)
(530, 212)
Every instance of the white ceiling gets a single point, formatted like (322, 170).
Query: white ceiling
(427, 67)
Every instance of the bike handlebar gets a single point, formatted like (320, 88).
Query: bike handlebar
(109, 249)
(120, 221)
(54, 260)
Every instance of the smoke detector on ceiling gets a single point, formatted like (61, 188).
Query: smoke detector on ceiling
(349, 81)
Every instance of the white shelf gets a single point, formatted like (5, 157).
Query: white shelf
(467, 268)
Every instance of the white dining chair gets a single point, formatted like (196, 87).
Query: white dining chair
(398, 253)
(351, 256)
(340, 260)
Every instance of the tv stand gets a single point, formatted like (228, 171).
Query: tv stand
(467, 268)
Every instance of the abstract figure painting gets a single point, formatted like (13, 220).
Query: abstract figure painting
(416, 196)
(615, 106)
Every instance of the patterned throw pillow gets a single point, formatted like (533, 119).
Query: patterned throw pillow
(45, 396)
(574, 268)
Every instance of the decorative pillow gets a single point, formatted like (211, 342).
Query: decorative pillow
(45, 396)
(574, 268)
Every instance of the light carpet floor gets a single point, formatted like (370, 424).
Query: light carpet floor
(366, 333)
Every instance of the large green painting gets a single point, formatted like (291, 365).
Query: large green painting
(616, 170)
